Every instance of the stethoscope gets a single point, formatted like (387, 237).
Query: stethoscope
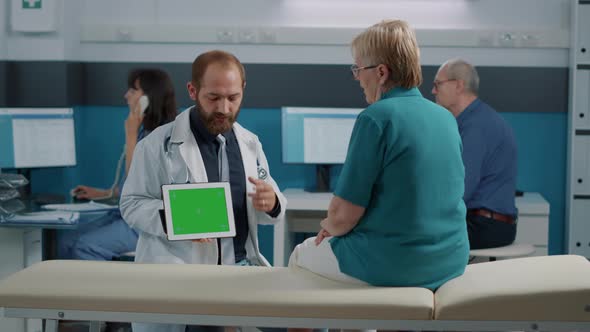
(170, 152)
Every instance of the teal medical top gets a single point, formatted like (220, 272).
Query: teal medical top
(404, 166)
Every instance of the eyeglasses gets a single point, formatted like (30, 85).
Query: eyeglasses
(356, 69)
(438, 83)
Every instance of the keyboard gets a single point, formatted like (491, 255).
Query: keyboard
(81, 207)
(43, 217)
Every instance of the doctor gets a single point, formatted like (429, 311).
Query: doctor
(186, 150)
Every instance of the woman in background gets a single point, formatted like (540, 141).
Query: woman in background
(103, 236)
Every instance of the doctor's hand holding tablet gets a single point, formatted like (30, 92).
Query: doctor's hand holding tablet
(202, 212)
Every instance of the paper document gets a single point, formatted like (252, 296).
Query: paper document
(81, 207)
(45, 217)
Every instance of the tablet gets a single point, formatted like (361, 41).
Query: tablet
(198, 211)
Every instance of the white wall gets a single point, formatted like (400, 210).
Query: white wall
(35, 45)
(70, 23)
(298, 31)
(3, 24)
(330, 13)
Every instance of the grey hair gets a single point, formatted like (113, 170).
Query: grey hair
(460, 69)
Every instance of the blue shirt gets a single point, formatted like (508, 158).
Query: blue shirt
(404, 166)
(489, 155)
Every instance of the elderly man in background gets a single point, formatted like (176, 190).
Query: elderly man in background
(489, 156)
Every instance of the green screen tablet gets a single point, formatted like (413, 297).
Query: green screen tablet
(198, 210)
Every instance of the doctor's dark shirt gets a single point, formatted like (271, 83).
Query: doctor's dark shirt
(209, 148)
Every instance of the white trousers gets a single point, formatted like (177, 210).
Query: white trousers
(320, 260)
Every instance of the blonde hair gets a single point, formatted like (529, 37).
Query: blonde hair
(392, 43)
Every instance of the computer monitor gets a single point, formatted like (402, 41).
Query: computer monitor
(317, 135)
(37, 137)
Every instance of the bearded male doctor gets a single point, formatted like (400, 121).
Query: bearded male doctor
(203, 144)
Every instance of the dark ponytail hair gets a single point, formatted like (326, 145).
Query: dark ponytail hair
(157, 86)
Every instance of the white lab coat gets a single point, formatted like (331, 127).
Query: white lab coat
(170, 154)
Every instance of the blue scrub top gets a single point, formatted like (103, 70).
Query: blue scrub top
(141, 134)
(404, 166)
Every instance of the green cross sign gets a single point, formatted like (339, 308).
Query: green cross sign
(31, 4)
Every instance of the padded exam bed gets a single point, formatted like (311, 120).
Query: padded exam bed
(549, 293)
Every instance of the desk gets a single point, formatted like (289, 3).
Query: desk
(305, 210)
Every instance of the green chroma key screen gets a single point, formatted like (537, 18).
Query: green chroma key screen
(199, 211)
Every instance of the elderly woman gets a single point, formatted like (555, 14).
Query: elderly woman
(397, 217)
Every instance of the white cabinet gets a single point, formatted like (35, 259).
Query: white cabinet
(11, 261)
(533, 230)
(19, 248)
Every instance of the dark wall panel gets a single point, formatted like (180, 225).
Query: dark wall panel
(276, 85)
(508, 89)
(75, 87)
(3, 77)
(36, 84)
(41, 84)
(106, 83)
(515, 89)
